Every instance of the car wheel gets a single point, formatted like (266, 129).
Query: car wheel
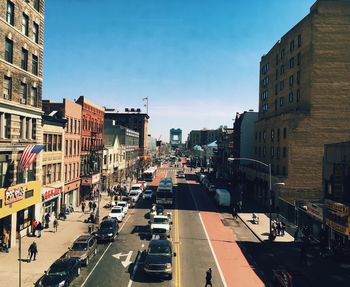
(170, 276)
(78, 271)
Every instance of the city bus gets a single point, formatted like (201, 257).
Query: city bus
(149, 174)
(165, 193)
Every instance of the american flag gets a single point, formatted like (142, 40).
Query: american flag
(30, 153)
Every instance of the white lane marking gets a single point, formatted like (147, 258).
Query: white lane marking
(127, 260)
(103, 254)
(134, 270)
(207, 236)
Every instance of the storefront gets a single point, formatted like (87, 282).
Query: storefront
(90, 185)
(51, 198)
(18, 208)
(71, 194)
(338, 221)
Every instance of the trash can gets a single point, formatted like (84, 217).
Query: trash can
(90, 228)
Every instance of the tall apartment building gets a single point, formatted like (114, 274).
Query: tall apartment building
(135, 120)
(304, 99)
(92, 122)
(202, 137)
(21, 54)
(72, 113)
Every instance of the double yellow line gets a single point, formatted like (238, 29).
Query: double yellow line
(177, 250)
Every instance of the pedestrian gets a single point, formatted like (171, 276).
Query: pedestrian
(94, 206)
(47, 220)
(55, 224)
(296, 235)
(83, 206)
(208, 277)
(32, 251)
(283, 228)
(6, 239)
(39, 227)
(234, 212)
(90, 205)
(34, 225)
(278, 228)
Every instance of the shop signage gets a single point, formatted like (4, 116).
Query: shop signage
(51, 193)
(14, 195)
(337, 227)
(338, 207)
(95, 178)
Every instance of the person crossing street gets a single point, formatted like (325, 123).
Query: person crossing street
(32, 251)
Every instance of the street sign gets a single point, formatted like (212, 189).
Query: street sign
(127, 261)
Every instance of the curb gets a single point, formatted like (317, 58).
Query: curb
(251, 230)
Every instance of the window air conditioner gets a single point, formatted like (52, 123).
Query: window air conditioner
(23, 101)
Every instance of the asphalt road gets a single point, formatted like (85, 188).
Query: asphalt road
(121, 263)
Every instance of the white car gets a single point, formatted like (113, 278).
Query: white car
(137, 187)
(148, 194)
(124, 206)
(134, 196)
(160, 224)
(117, 212)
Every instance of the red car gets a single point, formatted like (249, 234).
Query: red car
(287, 278)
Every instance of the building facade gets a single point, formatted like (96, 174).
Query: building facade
(302, 105)
(92, 121)
(201, 137)
(52, 162)
(175, 138)
(135, 120)
(72, 113)
(21, 50)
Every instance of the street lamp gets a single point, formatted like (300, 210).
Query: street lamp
(268, 165)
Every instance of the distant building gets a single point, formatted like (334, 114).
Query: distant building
(201, 137)
(175, 138)
(304, 101)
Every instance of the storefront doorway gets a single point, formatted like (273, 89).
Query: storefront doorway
(5, 223)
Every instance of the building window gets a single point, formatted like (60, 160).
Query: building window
(78, 127)
(25, 24)
(59, 143)
(24, 59)
(49, 144)
(278, 135)
(272, 135)
(272, 152)
(291, 63)
(35, 65)
(8, 50)
(278, 150)
(37, 5)
(282, 53)
(105, 159)
(276, 74)
(276, 59)
(275, 105)
(284, 171)
(70, 147)
(4, 166)
(291, 46)
(7, 127)
(298, 95)
(34, 97)
(264, 136)
(299, 41)
(65, 172)
(264, 151)
(7, 88)
(281, 101)
(284, 152)
(291, 97)
(291, 80)
(10, 13)
(33, 129)
(23, 93)
(35, 32)
(66, 147)
(282, 69)
(298, 77)
(299, 59)
(75, 126)
(54, 142)
(276, 89)
(71, 125)
(281, 85)
(284, 133)
(75, 147)
(31, 172)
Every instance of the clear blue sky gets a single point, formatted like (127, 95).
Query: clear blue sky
(196, 60)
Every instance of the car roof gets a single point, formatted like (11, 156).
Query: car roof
(117, 207)
(163, 242)
(83, 238)
(124, 202)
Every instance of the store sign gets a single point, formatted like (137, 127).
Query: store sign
(338, 207)
(95, 178)
(337, 227)
(14, 195)
(51, 193)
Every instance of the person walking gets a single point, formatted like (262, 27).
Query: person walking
(83, 206)
(39, 227)
(47, 220)
(208, 277)
(32, 251)
(55, 225)
(94, 206)
(34, 225)
(6, 239)
(283, 228)
(90, 205)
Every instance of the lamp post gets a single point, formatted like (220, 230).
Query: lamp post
(268, 165)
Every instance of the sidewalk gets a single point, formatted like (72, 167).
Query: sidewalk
(51, 246)
(262, 229)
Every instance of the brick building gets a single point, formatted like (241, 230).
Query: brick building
(92, 121)
(21, 54)
(304, 100)
(72, 113)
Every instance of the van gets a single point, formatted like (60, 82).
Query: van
(223, 197)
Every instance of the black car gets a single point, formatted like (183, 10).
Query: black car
(159, 258)
(108, 230)
(61, 273)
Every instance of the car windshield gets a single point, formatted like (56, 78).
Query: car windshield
(133, 193)
(116, 210)
(159, 249)
(58, 270)
(79, 246)
(135, 188)
(160, 220)
(121, 204)
(148, 191)
(106, 225)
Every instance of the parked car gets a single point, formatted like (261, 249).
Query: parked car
(134, 196)
(180, 174)
(211, 188)
(108, 230)
(137, 187)
(223, 197)
(117, 213)
(148, 194)
(61, 273)
(159, 257)
(287, 278)
(160, 225)
(124, 205)
(83, 248)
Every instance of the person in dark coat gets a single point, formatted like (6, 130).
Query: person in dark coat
(208, 277)
(83, 206)
(39, 227)
(94, 206)
(90, 205)
(47, 220)
(32, 251)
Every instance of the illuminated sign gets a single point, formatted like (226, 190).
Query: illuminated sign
(14, 195)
